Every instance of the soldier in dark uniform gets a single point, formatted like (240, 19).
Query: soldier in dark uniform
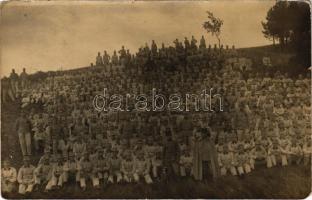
(115, 59)
(209, 47)
(122, 56)
(14, 82)
(202, 44)
(99, 61)
(193, 44)
(176, 43)
(186, 44)
(7, 93)
(171, 155)
(106, 59)
(23, 78)
(162, 51)
(154, 48)
(128, 57)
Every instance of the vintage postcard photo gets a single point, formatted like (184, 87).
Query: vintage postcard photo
(155, 99)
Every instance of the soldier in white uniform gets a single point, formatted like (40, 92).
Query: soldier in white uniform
(225, 160)
(8, 177)
(26, 177)
(128, 167)
(142, 168)
(307, 150)
(85, 170)
(186, 163)
(57, 174)
(115, 166)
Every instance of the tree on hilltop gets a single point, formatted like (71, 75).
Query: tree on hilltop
(213, 26)
(289, 23)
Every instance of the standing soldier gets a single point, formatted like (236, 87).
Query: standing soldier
(154, 49)
(39, 134)
(202, 44)
(171, 155)
(128, 57)
(23, 78)
(26, 177)
(23, 128)
(186, 44)
(193, 44)
(99, 61)
(186, 127)
(106, 59)
(6, 90)
(122, 52)
(115, 59)
(14, 82)
(162, 51)
(54, 131)
(122, 57)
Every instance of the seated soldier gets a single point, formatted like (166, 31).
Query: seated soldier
(70, 168)
(85, 170)
(225, 160)
(43, 171)
(240, 160)
(8, 177)
(127, 167)
(186, 163)
(156, 160)
(307, 150)
(115, 166)
(142, 168)
(26, 177)
(57, 175)
(252, 157)
(101, 166)
(295, 152)
(79, 148)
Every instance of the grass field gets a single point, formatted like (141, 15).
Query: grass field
(288, 182)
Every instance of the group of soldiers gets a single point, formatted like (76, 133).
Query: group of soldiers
(152, 57)
(265, 121)
(12, 86)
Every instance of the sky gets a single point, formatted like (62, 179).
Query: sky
(64, 35)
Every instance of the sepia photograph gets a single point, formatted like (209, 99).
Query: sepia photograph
(155, 99)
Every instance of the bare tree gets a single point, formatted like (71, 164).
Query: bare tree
(213, 26)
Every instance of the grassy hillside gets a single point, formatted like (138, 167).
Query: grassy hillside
(283, 60)
(288, 182)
